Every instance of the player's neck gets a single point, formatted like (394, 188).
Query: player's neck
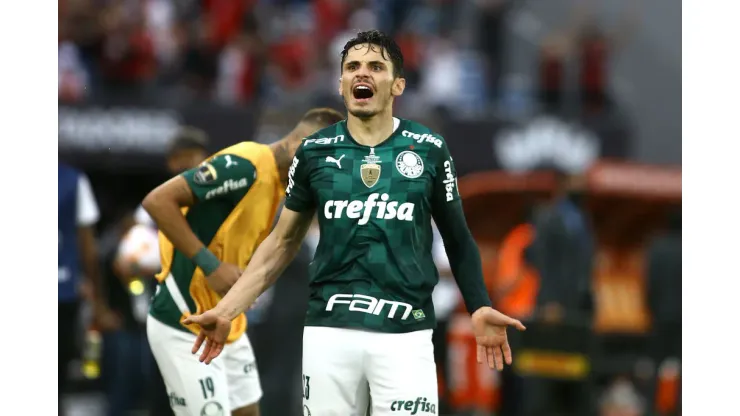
(371, 131)
(283, 152)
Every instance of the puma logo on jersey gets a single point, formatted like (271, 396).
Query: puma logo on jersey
(226, 187)
(383, 209)
(229, 162)
(450, 181)
(338, 162)
(421, 138)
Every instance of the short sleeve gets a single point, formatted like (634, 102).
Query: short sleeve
(445, 192)
(87, 209)
(142, 217)
(298, 193)
(224, 176)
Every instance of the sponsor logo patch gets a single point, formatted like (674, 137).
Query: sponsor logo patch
(413, 407)
(422, 138)
(376, 204)
(205, 174)
(370, 170)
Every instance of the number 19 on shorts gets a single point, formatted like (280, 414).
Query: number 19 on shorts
(206, 386)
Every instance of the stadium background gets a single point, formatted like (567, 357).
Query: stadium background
(520, 89)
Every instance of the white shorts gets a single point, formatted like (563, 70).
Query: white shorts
(347, 372)
(230, 382)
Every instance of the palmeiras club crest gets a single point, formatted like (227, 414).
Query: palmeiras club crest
(409, 164)
(370, 170)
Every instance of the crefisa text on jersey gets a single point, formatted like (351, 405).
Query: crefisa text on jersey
(228, 186)
(291, 173)
(421, 138)
(450, 181)
(364, 209)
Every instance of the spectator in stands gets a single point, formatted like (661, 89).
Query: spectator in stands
(595, 48)
(664, 278)
(128, 58)
(441, 80)
(82, 24)
(491, 38)
(331, 21)
(73, 78)
(126, 360)
(552, 61)
(392, 14)
(410, 42)
(293, 55)
(562, 252)
(664, 287)
(200, 60)
(78, 213)
(224, 19)
(241, 65)
(160, 24)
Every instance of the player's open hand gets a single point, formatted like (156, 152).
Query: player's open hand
(489, 327)
(214, 331)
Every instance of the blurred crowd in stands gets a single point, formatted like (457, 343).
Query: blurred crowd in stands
(283, 52)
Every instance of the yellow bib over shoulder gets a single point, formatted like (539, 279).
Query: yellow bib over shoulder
(238, 193)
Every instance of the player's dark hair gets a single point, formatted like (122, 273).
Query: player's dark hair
(322, 117)
(388, 48)
(188, 138)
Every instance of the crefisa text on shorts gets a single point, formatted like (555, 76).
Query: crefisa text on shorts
(420, 405)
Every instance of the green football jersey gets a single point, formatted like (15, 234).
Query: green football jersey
(373, 266)
(218, 185)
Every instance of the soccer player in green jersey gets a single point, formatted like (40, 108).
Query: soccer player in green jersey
(376, 182)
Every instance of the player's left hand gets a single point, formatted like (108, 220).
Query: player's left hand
(214, 331)
(489, 327)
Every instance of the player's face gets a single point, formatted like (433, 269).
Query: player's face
(184, 160)
(367, 83)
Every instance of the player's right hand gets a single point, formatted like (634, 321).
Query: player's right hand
(214, 331)
(223, 278)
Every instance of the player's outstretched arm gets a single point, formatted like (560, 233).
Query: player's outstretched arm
(267, 263)
(489, 325)
(280, 247)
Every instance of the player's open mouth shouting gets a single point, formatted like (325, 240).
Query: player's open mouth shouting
(362, 92)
